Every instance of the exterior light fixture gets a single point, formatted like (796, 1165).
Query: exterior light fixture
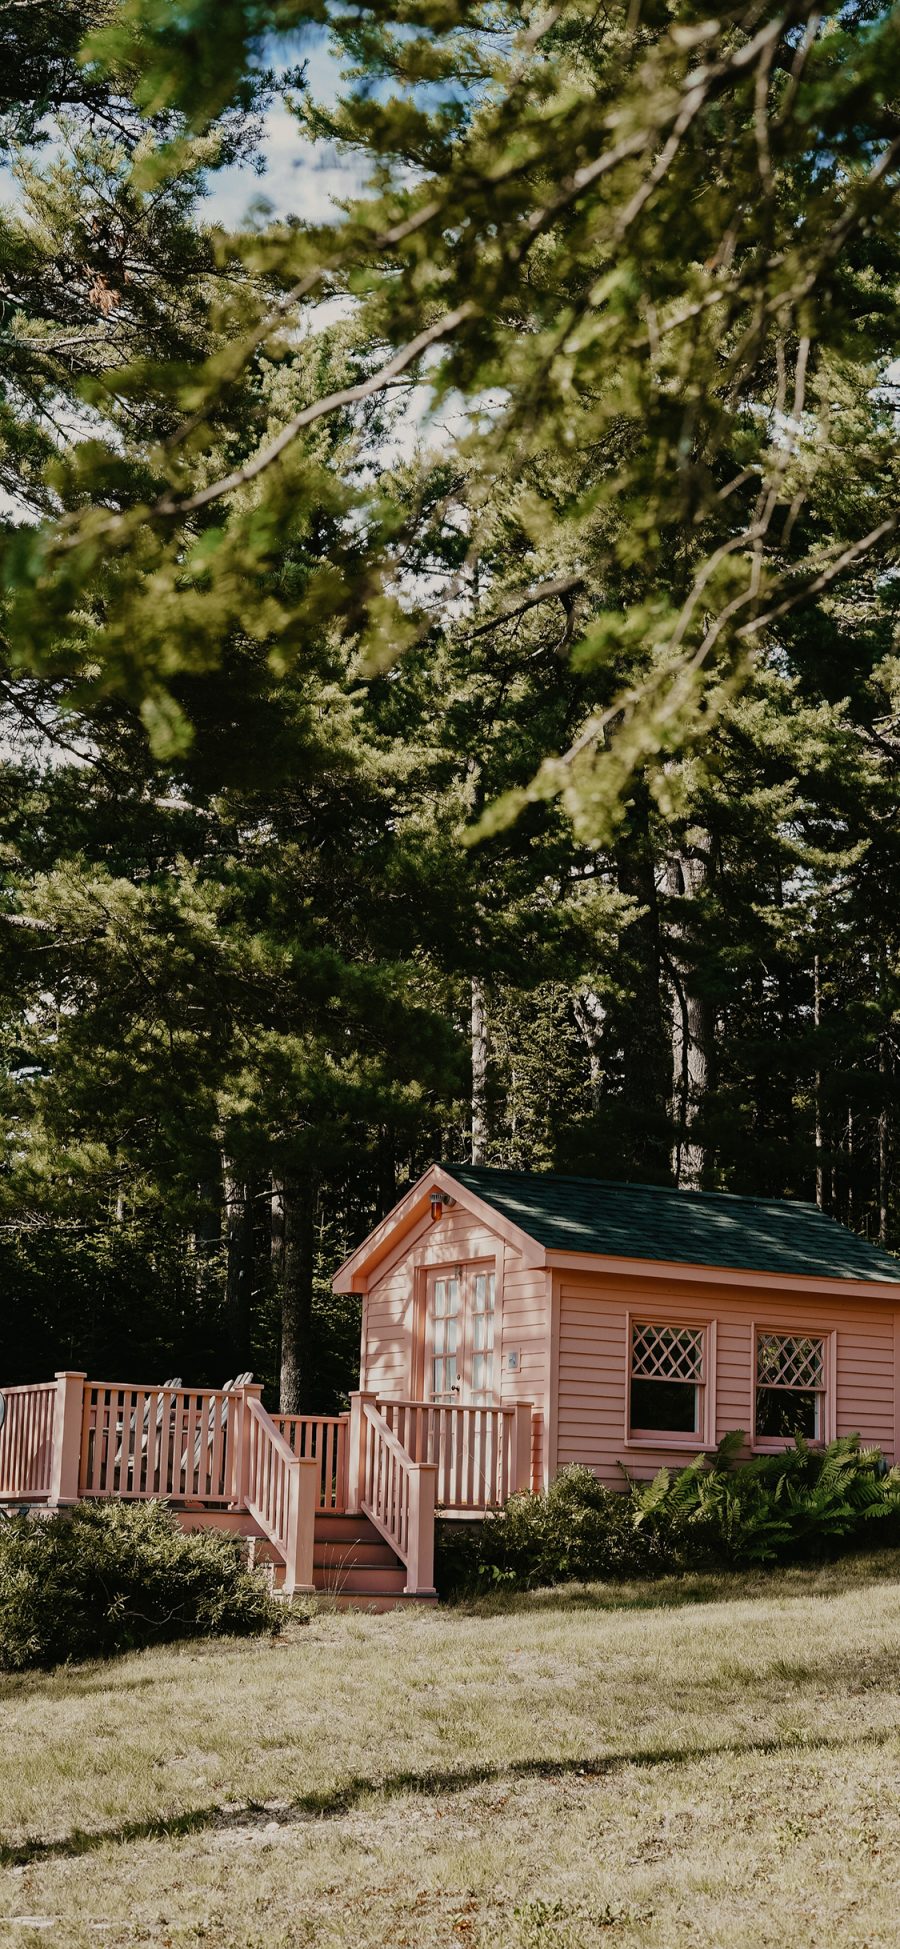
(440, 1201)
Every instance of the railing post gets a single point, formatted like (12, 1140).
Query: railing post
(303, 1496)
(240, 1443)
(520, 1448)
(356, 1450)
(68, 1415)
(420, 1548)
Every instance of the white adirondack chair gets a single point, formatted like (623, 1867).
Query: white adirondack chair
(145, 1429)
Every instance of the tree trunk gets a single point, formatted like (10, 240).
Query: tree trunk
(479, 1073)
(817, 1086)
(386, 1170)
(206, 1236)
(590, 1018)
(883, 1145)
(851, 1165)
(276, 1230)
(687, 874)
(238, 1263)
(298, 1201)
(644, 1036)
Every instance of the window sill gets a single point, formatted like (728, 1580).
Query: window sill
(778, 1444)
(695, 1444)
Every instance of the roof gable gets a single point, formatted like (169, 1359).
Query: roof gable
(404, 1223)
(656, 1222)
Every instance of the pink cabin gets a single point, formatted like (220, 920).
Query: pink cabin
(512, 1324)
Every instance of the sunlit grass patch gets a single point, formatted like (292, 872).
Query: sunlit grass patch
(563, 1769)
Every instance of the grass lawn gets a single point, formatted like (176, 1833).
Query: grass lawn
(710, 1762)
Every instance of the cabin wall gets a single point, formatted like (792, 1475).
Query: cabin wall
(590, 1331)
(393, 1315)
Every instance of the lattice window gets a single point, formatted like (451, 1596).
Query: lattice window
(666, 1353)
(787, 1360)
(667, 1379)
(790, 1386)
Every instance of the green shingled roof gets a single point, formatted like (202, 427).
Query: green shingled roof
(650, 1221)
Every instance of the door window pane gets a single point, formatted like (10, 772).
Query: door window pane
(445, 1305)
(482, 1315)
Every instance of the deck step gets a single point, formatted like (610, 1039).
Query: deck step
(345, 1529)
(356, 1580)
(337, 1555)
(361, 1578)
(353, 1566)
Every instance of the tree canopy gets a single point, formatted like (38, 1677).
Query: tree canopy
(449, 662)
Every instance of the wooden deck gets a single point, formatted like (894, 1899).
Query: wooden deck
(344, 1502)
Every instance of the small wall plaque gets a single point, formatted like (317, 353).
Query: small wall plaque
(512, 1361)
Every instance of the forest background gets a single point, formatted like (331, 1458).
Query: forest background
(450, 684)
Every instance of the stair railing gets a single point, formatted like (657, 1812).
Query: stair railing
(396, 1493)
(281, 1491)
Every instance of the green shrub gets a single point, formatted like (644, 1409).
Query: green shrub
(576, 1532)
(110, 1577)
(775, 1509)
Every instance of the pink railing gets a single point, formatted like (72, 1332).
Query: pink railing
(396, 1493)
(157, 1441)
(26, 1442)
(394, 1460)
(321, 1438)
(280, 1491)
(482, 1454)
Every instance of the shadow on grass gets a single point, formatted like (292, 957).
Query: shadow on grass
(331, 1803)
(836, 1579)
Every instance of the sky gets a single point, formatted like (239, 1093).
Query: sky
(307, 181)
(299, 180)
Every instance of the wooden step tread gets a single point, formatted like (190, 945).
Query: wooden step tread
(338, 1555)
(362, 1580)
(345, 1528)
(337, 1558)
(360, 1577)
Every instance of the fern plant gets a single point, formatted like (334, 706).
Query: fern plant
(798, 1502)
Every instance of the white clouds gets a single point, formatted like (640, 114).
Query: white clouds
(301, 179)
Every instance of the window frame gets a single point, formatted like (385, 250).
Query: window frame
(776, 1444)
(704, 1436)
